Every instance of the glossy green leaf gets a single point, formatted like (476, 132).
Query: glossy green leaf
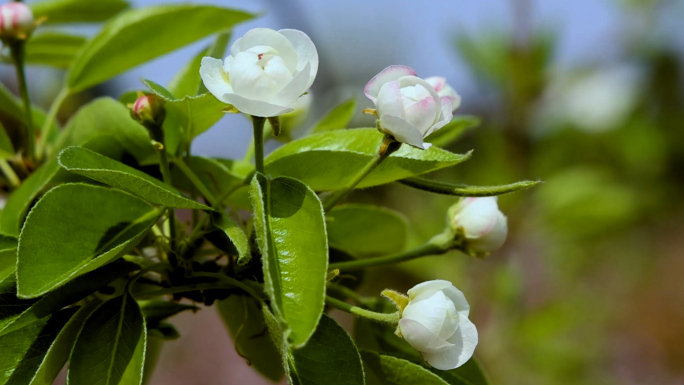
(6, 147)
(139, 35)
(22, 198)
(244, 319)
(463, 190)
(58, 352)
(8, 261)
(338, 118)
(110, 349)
(453, 130)
(328, 160)
(236, 235)
(54, 49)
(96, 226)
(106, 117)
(88, 163)
(330, 357)
(219, 175)
(290, 229)
(24, 349)
(396, 371)
(77, 11)
(72, 292)
(384, 230)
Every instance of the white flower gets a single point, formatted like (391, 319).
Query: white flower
(435, 322)
(409, 108)
(484, 226)
(444, 90)
(266, 72)
(16, 20)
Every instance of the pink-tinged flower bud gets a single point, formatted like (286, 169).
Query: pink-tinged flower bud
(148, 109)
(408, 107)
(444, 90)
(485, 227)
(435, 322)
(16, 21)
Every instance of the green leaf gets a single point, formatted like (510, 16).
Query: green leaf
(22, 198)
(24, 350)
(244, 320)
(11, 306)
(236, 235)
(110, 349)
(13, 107)
(330, 357)
(77, 11)
(384, 230)
(158, 310)
(327, 161)
(338, 118)
(463, 190)
(396, 371)
(139, 35)
(275, 331)
(74, 291)
(96, 226)
(219, 175)
(58, 352)
(290, 229)
(100, 168)
(8, 261)
(107, 118)
(453, 130)
(6, 147)
(52, 48)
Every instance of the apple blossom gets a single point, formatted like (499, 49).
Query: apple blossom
(16, 20)
(266, 72)
(435, 322)
(444, 90)
(482, 223)
(408, 107)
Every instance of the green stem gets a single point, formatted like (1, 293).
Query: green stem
(196, 181)
(18, 53)
(48, 124)
(347, 292)
(158, 135)
(387, 147)
(223, 282)
(388, 318)
(9, 173)
(439, 244)
(258, 123)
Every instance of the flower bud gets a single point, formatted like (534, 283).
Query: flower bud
(444, 90)
(435, 322)
(481, 223)
(16, 21)
(148, 109)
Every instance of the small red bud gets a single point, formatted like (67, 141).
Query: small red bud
(148, 109)
(16, 21)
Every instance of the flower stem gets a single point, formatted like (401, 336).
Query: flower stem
(18, 53)
(439, 244)
(387, 147)
(48, 124)
(258, 123)
(388, 318)
(9, 173)
(196, 181)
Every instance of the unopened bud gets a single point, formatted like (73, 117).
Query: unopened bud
(148, 109)
(481, 223)
(16, 21)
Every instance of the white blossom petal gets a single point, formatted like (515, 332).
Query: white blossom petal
(256, 107)
(271, 38)
(463, 346)
(429, 312)
(428, 288)
(390, 100)
(402, 131)
(306, 51)
(215, 78)
(421, 338)
(391, 73)
(249, 79)
(297, 86)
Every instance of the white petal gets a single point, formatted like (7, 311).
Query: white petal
(421, 113)
(446, 116)
(429, 312)
(427, 288)
(271, 38)
(294, 89)
(306, 51)
(437, 82)
(421, 338)
(249, 79)
(278, 72)
(256, 107)
(420, 93)
(215, 79)
(391, 73)
(464, 342)
(389, 100)
(402, 131)
(459, 300)
(495, 238)
(477, 216)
